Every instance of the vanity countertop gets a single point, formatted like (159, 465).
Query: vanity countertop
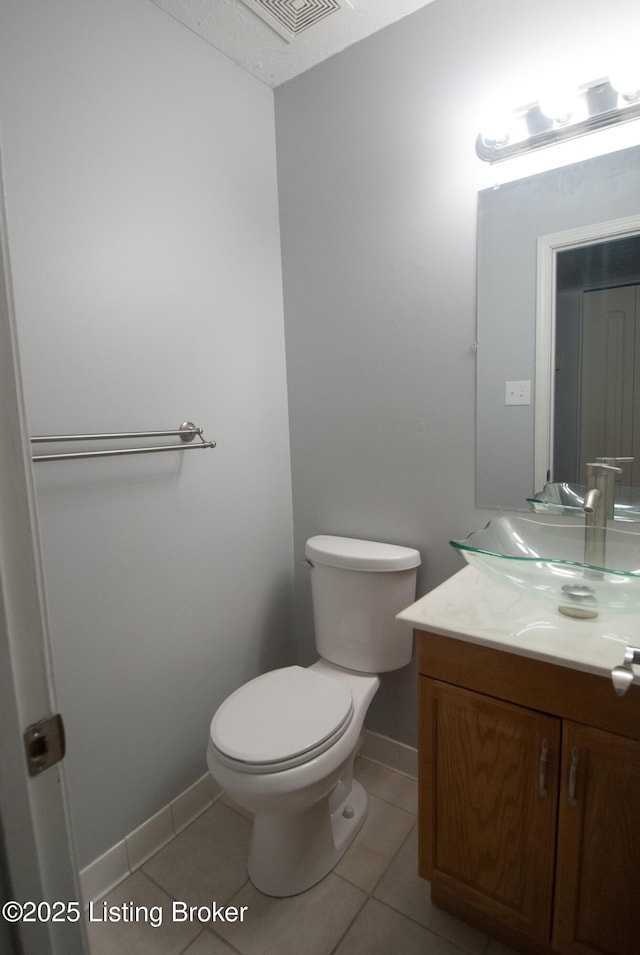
(472, 607)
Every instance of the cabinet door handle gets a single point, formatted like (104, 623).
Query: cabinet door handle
(573, 776)
(542, 768)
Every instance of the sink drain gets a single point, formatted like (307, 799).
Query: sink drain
(581, 596)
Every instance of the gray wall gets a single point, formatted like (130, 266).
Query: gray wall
(378, 182)
(143, 227)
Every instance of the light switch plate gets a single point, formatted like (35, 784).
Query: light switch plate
(517, 393)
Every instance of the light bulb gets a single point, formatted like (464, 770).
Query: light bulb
(559, 105)
(495, 125)
(625, 78)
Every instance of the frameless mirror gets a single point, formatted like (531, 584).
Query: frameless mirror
(530, 234)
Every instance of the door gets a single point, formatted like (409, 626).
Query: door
(494, 778)
(609, 379)
(598, 865)
(35, 844)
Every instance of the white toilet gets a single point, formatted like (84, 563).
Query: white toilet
(283, 745)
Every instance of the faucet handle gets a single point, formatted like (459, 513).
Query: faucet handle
(606, 464)
(603, 466)
(613, 461)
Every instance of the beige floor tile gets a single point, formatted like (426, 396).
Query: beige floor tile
(379, 930)
(138, 936)
(403, 889)
(383, 833)
(311, 923)
(394, 787)
(208, 944)
(373, 903)
(207, 862)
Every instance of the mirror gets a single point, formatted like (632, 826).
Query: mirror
(524, 230)
(595, 359)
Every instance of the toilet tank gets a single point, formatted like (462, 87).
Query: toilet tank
(358, 587)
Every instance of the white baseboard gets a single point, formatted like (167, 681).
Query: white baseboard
(118, 862)
(390, 753)
(102, 875)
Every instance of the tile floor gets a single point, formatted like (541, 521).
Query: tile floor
(373, 903)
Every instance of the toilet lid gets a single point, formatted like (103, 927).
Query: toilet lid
(286, 716)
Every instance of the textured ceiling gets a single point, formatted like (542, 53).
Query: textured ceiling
(276, 40)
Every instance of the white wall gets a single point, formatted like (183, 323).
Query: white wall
(378, 183)
(143, 228)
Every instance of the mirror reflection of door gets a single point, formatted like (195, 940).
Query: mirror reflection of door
(597, 382)
(609, 383)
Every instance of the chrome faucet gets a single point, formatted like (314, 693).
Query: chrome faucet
(598, 509)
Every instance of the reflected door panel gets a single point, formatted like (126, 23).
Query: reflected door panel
(609, 372)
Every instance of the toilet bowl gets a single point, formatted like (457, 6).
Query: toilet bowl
(283, 745)
(303, 820)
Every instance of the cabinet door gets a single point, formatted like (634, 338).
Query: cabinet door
(492, 781)
(598, 865)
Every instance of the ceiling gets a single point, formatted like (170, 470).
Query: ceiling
(276, 40)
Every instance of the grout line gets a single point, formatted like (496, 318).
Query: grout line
(353, 920)
(368, 895)
(389, 769)
(393, 857)
(88, 874)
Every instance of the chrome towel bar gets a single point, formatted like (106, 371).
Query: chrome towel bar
(186, 432)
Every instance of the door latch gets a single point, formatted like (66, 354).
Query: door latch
(44, 744)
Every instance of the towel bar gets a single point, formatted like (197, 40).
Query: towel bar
(187, 432)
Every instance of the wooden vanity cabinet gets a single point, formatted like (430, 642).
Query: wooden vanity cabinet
(530, 799)
(598, 848)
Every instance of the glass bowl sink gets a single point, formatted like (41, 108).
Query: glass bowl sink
(561, 498)
(543, 556)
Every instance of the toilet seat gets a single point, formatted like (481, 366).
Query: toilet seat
(281, 719)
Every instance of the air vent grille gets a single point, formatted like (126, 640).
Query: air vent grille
(292, 16)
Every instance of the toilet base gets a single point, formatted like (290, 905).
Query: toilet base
(291, 851)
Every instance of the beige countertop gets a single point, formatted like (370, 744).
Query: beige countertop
(474, 608)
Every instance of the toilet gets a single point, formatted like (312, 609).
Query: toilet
(283, 745)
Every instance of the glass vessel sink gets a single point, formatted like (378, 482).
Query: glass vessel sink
(543, 556)
(562, 498)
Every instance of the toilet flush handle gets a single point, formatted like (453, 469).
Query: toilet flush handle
(307, 561)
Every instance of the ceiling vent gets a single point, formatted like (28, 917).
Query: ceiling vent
(290, 17)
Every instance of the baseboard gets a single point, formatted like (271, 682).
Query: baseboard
(390, 753)
(118, 862)
(102, 875)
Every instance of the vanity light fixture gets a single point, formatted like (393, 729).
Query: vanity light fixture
(553, 119)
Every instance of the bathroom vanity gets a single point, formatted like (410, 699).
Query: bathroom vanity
(529, 769)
